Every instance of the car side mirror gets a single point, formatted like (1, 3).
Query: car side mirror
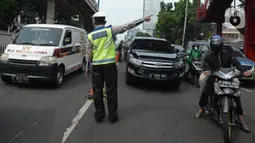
(176, 50)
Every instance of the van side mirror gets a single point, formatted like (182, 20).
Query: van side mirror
(67, 38)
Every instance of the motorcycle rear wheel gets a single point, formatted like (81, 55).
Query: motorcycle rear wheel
(227, 128)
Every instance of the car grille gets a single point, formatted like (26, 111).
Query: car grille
(23, 62)
(170, 72)
(247, 67)
(150, 64)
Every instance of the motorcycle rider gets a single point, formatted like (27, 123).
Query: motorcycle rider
(193, 54)
(213, 60)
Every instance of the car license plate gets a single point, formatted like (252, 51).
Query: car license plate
(158, 76)
(20, 79)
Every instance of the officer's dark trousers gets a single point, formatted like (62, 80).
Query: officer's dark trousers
(105, 74)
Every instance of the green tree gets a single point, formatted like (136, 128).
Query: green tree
(171, 22)
(141, 34)
(9, 9)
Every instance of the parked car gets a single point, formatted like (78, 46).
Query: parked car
(179, 50)
(248, 64)
(153, 59)
(203, 46)
(125, 49)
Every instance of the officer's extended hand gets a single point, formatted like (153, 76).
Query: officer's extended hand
(148, 18)
(247, 73)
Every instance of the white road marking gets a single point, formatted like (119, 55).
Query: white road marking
(246, 89)
(15, 137)
(76, 119)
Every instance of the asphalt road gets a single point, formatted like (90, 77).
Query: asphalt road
(148, 114)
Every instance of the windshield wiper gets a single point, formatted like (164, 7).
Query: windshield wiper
(48, 44)
(27, 43)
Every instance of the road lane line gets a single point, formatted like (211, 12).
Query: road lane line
(15, 137)
(246, 89)
(75, 120)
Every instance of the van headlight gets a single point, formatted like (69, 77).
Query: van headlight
(135, 61)
(179, 64)
(4, 57)
(46, 61)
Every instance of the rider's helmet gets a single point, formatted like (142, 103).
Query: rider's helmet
(216, 43)
(195, 47)
(99, 18)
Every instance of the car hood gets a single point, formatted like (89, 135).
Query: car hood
(244, 61)
(145, 54)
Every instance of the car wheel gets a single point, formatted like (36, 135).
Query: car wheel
(129, 79)
(6, 80)
(83, 67)
(59, 78)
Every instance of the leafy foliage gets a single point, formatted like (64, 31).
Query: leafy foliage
(141, 34)
(171, 22)
(31, 11)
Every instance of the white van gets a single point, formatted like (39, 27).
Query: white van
(45, 52)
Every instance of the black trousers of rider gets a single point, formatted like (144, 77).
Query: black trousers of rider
(105, 74)
(206, 92)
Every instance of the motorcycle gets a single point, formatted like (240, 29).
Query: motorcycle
(196, 71)
(221, 103)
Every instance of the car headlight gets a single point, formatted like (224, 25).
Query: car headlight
(46, 61)
(135, 61)
(179, 64)
(4, 57)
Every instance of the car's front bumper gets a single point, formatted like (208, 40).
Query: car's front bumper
(172, 75)
(33, 73)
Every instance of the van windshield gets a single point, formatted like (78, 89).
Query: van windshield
(41, 36)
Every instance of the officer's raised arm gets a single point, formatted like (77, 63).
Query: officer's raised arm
(123, 28)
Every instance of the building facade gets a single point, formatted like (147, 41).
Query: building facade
(151, 7)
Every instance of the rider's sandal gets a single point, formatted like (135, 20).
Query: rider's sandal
(198, 114)
(245, 128)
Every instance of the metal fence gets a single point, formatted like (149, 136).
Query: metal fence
(5, 39)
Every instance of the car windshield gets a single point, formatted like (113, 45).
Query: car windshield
(202, 47)
(153, 45)
(41, 36)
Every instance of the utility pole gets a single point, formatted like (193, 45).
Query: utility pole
(185, 23)
(98, 2)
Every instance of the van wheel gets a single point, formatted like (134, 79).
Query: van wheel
(59, 78)
(83, 67)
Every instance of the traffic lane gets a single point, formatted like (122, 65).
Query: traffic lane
(155, 114)
(39, 113)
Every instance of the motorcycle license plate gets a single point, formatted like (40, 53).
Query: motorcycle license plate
(158, 76)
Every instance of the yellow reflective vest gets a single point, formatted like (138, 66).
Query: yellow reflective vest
(103, 46)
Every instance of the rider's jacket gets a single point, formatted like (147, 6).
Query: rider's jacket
(212, 61)
(193, 55)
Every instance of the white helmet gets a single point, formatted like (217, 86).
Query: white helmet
(99, 14)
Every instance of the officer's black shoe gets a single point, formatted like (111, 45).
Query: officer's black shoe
(113, 119)
(99, 119)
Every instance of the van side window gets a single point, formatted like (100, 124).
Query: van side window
(67, 38)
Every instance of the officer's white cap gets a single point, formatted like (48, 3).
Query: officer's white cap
(99, 14)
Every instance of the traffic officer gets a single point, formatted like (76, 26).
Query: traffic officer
(101, 48)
